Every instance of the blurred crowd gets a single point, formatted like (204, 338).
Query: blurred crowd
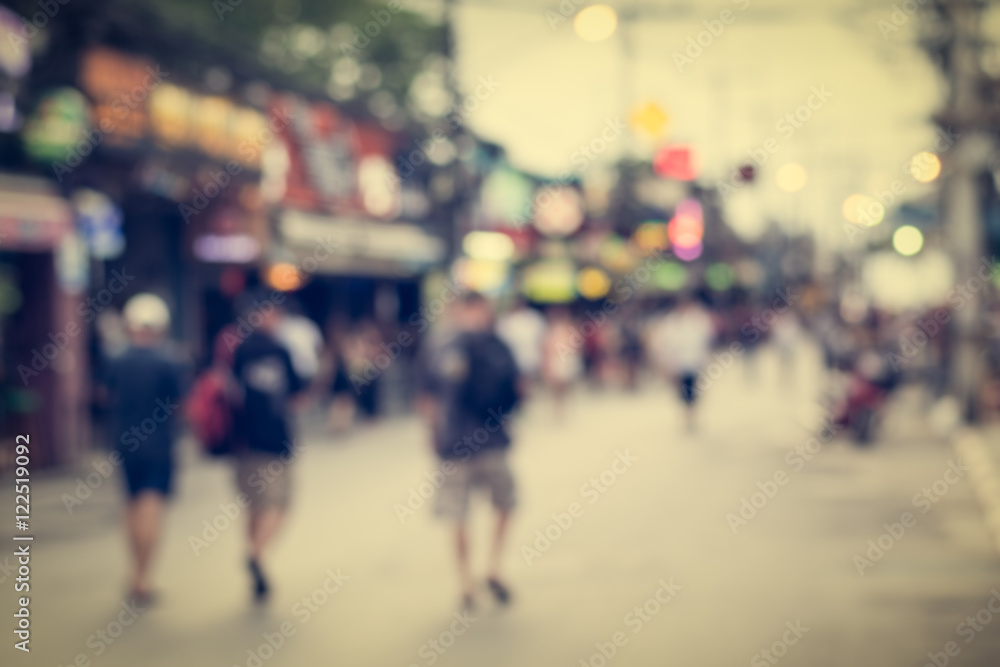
(465, 374)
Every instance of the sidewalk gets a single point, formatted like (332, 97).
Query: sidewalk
(980, 448)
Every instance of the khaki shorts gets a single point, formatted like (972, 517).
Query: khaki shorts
(489, 471)
(265, 479)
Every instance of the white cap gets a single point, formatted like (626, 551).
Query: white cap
(147, 311)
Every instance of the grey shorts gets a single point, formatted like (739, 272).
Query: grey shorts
(265, 479)
(489, 471)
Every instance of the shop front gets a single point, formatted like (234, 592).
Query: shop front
(354, 230)
(43, 393)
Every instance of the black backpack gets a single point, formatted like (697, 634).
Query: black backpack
(491, 382)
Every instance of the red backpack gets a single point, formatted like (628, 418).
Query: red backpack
(211, 413)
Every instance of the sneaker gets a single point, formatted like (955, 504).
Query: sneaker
(260, 587)
(500, 592)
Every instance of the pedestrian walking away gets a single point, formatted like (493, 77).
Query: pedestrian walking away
(264, 372)
(144, 391)
(473, 387)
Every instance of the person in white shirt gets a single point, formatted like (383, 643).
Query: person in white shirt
(304, 341)
(523, 329)
(562, 361)
(786, 334)
(684, 342)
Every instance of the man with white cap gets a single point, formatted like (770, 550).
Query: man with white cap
(145, 390)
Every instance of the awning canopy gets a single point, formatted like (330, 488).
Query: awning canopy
(33, 216)
(359, 246)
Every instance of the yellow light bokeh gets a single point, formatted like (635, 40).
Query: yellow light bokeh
(792, 177)
(592, 283)
(486, 276)
(863, 210)
(872, 214)
(488, 246)
(595, 23)
(650, 119)
(907, 240)
(651, 237)
(852, 205)
(925, 167)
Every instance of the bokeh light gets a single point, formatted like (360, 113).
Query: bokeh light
(651, 237)
(489, 246)
(792, 177)
(719, 276)
(685, 231)
(284, 277)
(670, 276)
(863, 210)
(482, 275)
(688, 253)
(677, 162)
(649, 119)
(558, 211)
(592, 283)
(907, 240)
(595, 23)
(925, 167)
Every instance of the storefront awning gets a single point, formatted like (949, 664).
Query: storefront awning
(33, 216)
(361, 247)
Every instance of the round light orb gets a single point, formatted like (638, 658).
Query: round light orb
(595, 23)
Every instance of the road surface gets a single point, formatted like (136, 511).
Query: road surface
(633, 546)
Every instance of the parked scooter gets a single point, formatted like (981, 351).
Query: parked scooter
(860, 408)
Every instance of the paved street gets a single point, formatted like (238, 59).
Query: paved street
(660, 530)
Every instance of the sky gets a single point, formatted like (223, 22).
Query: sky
(557, 92)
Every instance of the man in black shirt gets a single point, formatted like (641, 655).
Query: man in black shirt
(471, 385)
(264, 372)
(144, 390)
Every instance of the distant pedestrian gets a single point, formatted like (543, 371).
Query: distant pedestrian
(631, 351)
(562, 361)
(787, 334)
(268, 382)
(472, 386)
(144, 389)
(684, 340)
(340, 415)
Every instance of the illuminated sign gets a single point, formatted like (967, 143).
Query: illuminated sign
(677, 162)
(15, 53)
(133, 102)
(57, 126)
(210, 124)
(230, 248)
(322, 153)
(119, 86)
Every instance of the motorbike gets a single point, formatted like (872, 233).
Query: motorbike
(859, 410)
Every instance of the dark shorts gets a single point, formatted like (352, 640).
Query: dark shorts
(148, 475)
(688, 393)
(341, 383)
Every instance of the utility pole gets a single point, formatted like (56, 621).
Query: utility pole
(458, 206)
(958, 54)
